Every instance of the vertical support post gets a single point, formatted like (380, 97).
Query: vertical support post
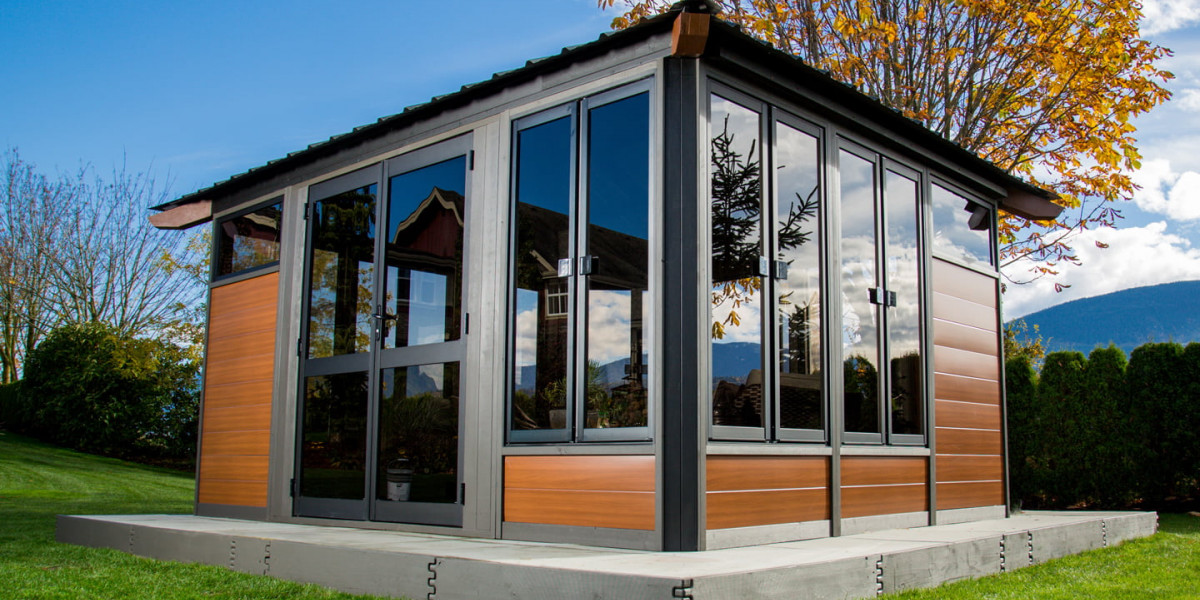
(682, 442)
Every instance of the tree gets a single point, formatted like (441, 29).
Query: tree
(1019, 341)
(1046, 89)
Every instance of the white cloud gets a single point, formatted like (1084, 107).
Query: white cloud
(1188, 100)
(1137, 256)
(1166, 192)
(1159, 16)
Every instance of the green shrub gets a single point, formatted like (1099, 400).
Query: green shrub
(1157, 386)
(1104, 452)
(1060, 408)
(89, 388)
(1024, 437)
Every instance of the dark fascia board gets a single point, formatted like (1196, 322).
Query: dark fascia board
(429, 110)
(1034, 202)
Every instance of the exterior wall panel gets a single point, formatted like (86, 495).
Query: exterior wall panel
(585, 491)
(877, 485)
(744, 491)
(238, 379)
(970, 443)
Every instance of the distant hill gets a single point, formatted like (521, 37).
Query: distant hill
(1128, 318)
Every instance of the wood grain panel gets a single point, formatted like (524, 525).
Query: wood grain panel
(953, 280)
(884, 470)
(246, 294)
(968, 495)
(225, 323)
(598, 473)
(726, 473)
(237, 347)
(250, 368)
(969, 468)
(968, 441)
(238, 394)
(235, 468)
(965, 389)
(617, 510)
(961, 362)
(246, 417)
(240, 443)
(967, 415)
(745, 509)
(883, 500)
(236, 493)
(962, 337)
(965, 312)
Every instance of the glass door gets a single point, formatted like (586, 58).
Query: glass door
(380, 428)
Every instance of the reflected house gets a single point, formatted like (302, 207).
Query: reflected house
(669, 290)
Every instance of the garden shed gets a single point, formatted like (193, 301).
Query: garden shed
(669, 290)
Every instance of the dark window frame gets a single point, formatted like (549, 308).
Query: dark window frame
(991, 266)
(215, 254)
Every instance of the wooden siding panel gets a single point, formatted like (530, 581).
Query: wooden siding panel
(242, 346)
(740, 473)
(953, 280)
(967, 415)
(966, 389)
(962, 337)
(236, 493)
(969, 364)
(616, 510)
(239, 443)
(969, 468)
(248, 417)
(235, 468)
(766, 507)
(596, 473)
(226, 324)
(250, 368)
(238, 394)
(969, 441)
(969, 495)
(246, 294)
(883, 500)
(963, 312)
(884, 470)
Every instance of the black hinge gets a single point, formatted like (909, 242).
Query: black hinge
(471, 160)
(467, 325)
(463, 494)
(299, 347)
(308, 207)
(292, 489)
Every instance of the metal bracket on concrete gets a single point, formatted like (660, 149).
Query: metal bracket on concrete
(1103, 533)
(1030, 548)
(267, 557)
(683, 591)
(1003, 556)
(232, 553)
(879, 576)
(432, 581)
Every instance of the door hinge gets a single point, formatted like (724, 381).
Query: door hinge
(467, 325)
(471, 161)
(308, 208)
(293, 490)
(299, 347)
(463, 494)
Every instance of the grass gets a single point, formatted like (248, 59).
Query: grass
(38, 482)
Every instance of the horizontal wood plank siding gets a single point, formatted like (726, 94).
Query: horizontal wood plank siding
(969, 442)
(744, 491)
(884, 485)
(238, 381)
(614, 492)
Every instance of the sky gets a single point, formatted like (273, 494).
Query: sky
(192, 93)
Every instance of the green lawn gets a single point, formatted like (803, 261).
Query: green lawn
(39, 481)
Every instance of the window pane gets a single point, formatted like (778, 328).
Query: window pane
(618, 228)
(736, 182)
(542, 238)
(962, 229)
(424, 254)
(333, 451)
(342, 269)
(249, 240)
(418, 434)
(904, 319)
(797, 215)
(860, 333)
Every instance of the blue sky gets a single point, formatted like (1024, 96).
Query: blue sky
(195, 92)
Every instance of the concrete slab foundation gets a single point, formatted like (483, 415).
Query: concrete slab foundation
(420, 566)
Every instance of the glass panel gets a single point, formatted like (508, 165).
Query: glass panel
(424, 254)
(962, 229)
(797, 212)
(542, 238)
(904, 319)
(418, 434)
(736, 178)
(343, 265)
(333, 451)
(860, 333)
(249, 240)
(618, 230)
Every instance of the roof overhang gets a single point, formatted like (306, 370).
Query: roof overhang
(183, 216)
(1030, 206)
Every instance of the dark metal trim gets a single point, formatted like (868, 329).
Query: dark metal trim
(230, 511)
(1003, 373)
(251, 273)
(214, 251)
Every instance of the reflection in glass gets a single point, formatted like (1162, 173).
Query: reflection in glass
(618, 229)
(342, 269)
(543, 196)
(797, 209)
(962, 229)
(860, 333)
(418, 434)
(904, 319)
(333, 449)
(249, 240)
(736, 188)
(424, 255)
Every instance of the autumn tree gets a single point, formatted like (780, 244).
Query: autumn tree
(1046, 89)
